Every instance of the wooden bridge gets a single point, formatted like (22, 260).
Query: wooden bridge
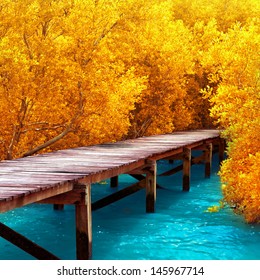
(65, 177)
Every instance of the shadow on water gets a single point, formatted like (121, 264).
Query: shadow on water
(179, 229)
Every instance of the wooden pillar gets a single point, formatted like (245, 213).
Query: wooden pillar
(221, 149)
(208, 159)
(150, 183)
(114, 182)
(84, 225)
(186, 169)
(58, 206)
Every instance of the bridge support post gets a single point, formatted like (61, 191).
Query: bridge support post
(221, 149)
(186, 169)
(150, 183)
(84, 224)
(208, 159)
(58, 207)
(114, 182)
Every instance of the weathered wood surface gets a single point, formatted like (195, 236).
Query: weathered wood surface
(186, 168)
(32, 179)
(151, 187)
(208, 160)
(84, 225)
(118, 195)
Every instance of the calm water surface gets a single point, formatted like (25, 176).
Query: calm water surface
(180, 229)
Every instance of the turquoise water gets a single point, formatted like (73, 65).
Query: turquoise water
(180, 228)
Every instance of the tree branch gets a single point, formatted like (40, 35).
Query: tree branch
(48, 143)
(66, 131)
(22, 114)
(27, 45)
(105, 32)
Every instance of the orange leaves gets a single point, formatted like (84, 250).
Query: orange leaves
(45, 56)
(233, 65)
(242, 190)
(82, 72)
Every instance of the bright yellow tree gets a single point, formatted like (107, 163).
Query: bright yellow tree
(57, 82)
(234, 65)
(225, 12)
(159, 48)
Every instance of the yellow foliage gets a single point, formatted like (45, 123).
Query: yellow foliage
(216, 208)
(80, 72)
(59, 80)
(236, 103)
(213, 209)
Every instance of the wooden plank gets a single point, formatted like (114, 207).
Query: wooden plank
(22, 188)
(172, 171)
(197, 160)
(25, 244)
(13, 194)
(166, 154)
(186, 169)
(48, 176)
(174, 157)
(32, 187)
(63, 171)
(201, 147)
(118, 195)
(5, 198)
(140, 170)
(150, 182)
(108, 173)
(70, 197)
(84, 225)
(74, 160)
(61, 168)
(86, 162)
(19, 201)
(194, 145)
(34, 178)
(194, 160)
(141, 177)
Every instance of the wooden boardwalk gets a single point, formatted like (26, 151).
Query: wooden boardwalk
(65, 177)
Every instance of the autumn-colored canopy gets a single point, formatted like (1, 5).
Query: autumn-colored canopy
(81, 72)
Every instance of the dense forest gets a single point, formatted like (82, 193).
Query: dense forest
(81, 72)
